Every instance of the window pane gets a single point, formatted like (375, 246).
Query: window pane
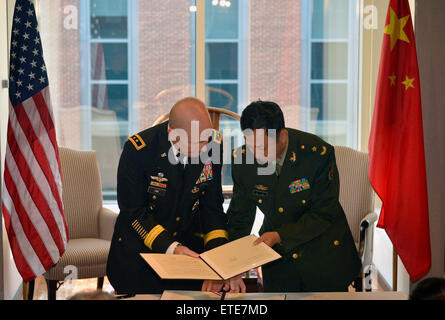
(232, 138)
(221, 61)
(329, 61)
(221, 19)
(334, 133)
(330, 101)
(108, 18)
(109, 61)
(111, 98)
(330, 19)
(222, 96)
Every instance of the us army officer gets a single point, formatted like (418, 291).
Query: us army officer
(303, 219)
(166, 206)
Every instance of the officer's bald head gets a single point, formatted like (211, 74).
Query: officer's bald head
(187, 110)
(184, 114)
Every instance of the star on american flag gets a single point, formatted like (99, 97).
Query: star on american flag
(28, 72)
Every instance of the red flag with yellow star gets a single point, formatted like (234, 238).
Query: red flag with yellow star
(396, 148)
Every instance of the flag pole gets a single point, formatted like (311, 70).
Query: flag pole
(394, 269)
(25, 290)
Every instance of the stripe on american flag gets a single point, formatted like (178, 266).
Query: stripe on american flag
(27, 155)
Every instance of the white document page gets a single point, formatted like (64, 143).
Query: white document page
(239, 256)
(174, 266)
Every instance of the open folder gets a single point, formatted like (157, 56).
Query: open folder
(221, 263)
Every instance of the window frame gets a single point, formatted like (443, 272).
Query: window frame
(86, 82)
(353, 78)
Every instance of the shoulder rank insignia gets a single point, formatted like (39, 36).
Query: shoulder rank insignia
(137, 141)
(299, 185)
(324, 150)
(206, 173)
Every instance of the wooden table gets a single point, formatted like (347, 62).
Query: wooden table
(378, 295)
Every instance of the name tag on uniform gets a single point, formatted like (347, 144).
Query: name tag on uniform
(260, 190)
(299, 185)
(156, 190)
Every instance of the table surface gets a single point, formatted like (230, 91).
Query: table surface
(378, 295)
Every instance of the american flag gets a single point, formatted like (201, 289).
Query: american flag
(32, 187)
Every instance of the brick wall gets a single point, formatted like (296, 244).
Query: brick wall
(274, 55)
(164, 57)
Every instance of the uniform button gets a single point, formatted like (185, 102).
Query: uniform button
(260, 201)
(303, 201)
(336, 243)
(280, 210)
(119, 239)
(302, 146)
(295, 256)
(178, 218)
(175, 234)
(203, 192)
(154, 197)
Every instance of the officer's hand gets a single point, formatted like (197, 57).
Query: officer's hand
(235, 285)
(185, 251)
(212, 285)
(269, 238)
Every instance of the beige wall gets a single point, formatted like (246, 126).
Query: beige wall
(371, 49)
(431, 53)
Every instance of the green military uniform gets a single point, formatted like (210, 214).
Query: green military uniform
(300, 202)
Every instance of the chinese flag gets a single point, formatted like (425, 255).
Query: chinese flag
(396, 148)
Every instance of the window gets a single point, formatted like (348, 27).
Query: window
(222, 47)
(225, 64)
(106, 44)
(330, 57)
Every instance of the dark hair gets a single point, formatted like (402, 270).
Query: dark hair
(92, 295)
(429, 289)
(262, 115)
